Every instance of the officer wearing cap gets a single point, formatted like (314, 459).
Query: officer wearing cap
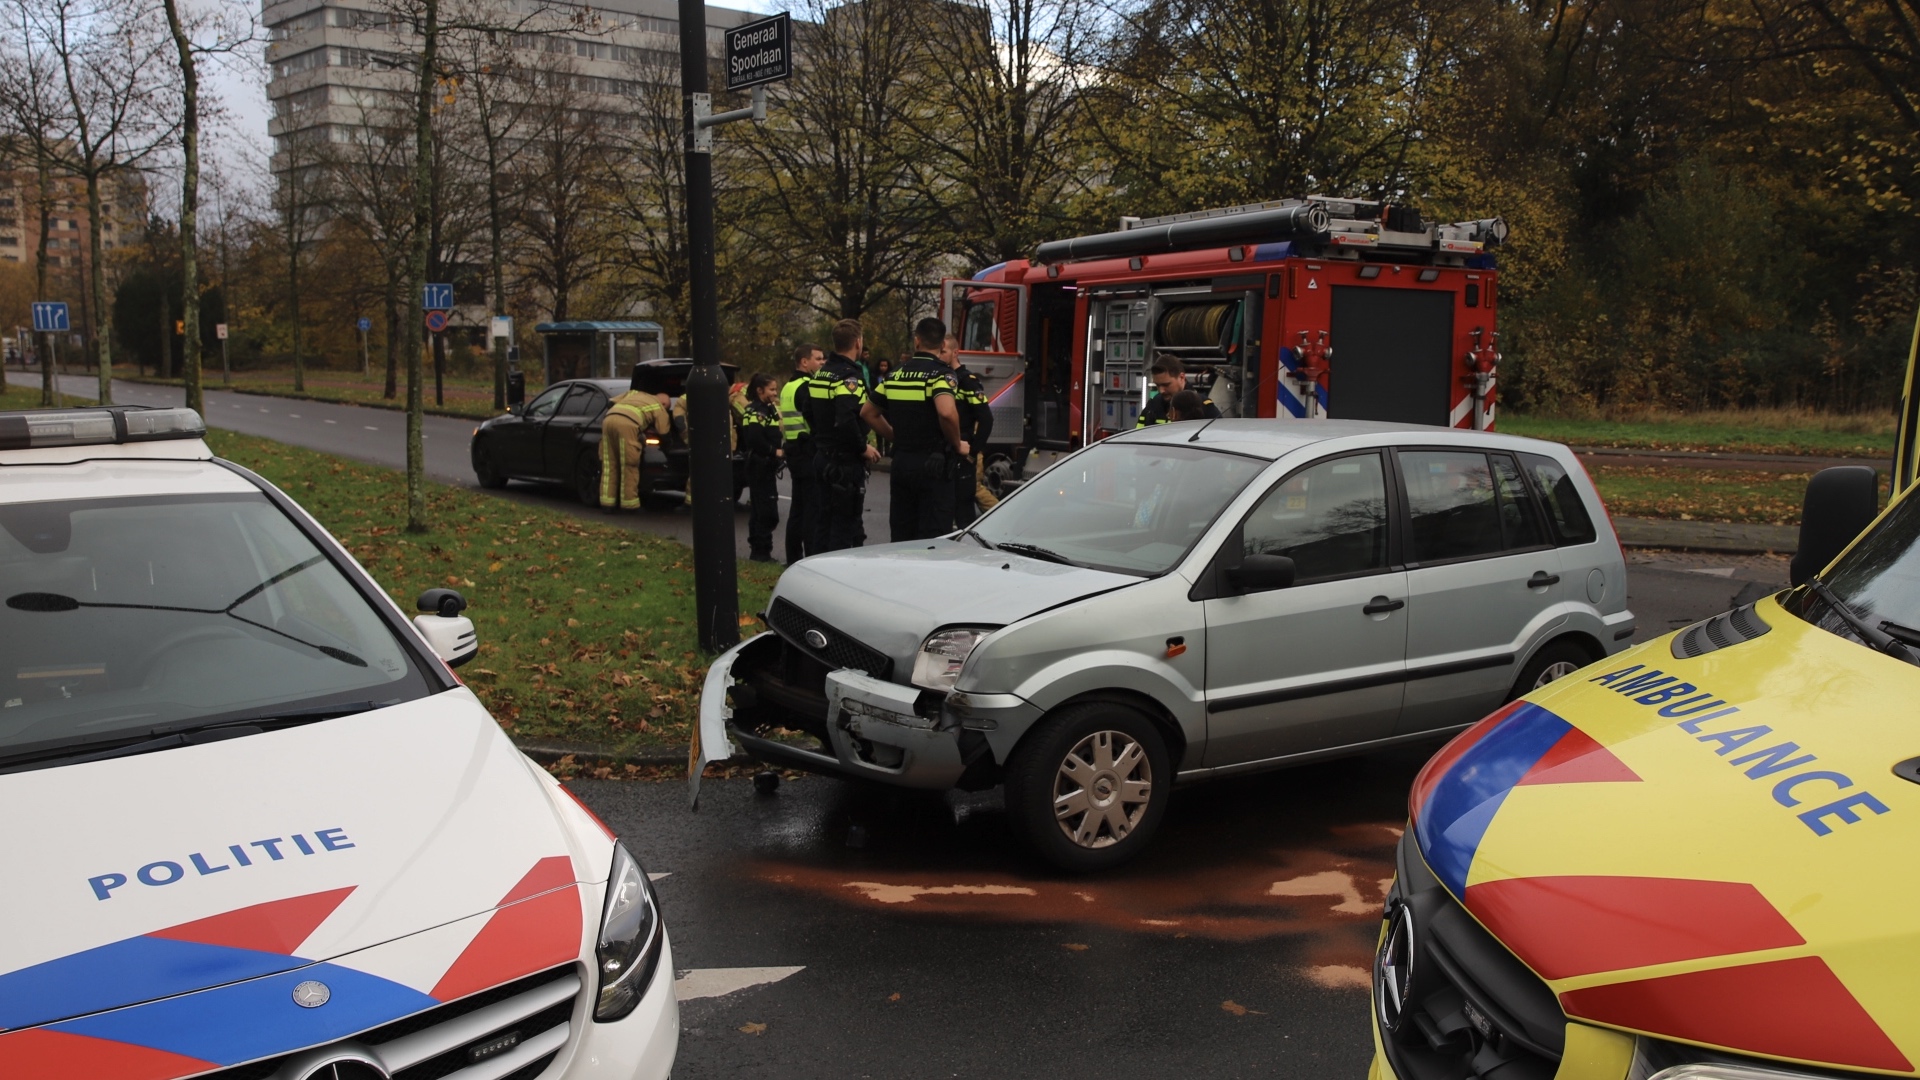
(1170, 378)
(976, 427)
(803, 517)
(916, 408)
(841, 453)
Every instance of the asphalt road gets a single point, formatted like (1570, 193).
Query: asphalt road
(379, 437)
(838, 930)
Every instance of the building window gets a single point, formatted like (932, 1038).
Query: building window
(308, 21)
(294, 65)
(9, 241)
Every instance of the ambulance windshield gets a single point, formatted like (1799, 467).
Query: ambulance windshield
(139, 616)
(1135, 508)
(1878, 580)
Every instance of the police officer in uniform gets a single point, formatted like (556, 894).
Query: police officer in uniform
(976, 427)
(760, 438)
(841, 452)
(803, 516)
(623, 431)
(1170, 378)
(918, 411)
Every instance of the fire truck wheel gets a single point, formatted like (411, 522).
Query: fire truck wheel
(1555, 660)
(1088, 785)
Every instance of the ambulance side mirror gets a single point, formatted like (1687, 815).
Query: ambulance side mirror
(1840, 503)
(449, 633)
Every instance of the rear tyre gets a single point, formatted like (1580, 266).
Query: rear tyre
(1556, 660)
(1088, 786)
(586, 479)
(485, 470)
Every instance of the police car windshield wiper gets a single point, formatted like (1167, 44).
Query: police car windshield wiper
(168, 736)
(1043, 554)
(1876, 639)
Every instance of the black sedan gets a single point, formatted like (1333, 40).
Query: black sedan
(555, 438)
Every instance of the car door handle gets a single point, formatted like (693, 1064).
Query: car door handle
(1541, 579)
(1380, 605)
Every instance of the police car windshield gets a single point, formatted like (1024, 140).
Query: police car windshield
(1878, 581)
(125, 616)
(1135, 508)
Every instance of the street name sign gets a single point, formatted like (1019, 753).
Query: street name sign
(760, 52)
(50, 317)
(437, 297)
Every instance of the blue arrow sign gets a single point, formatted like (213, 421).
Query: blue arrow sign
(437, 297)
(50, 317)
(365, 324)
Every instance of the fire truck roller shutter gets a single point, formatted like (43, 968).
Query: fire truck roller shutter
(1302, 222)
(1392, 355)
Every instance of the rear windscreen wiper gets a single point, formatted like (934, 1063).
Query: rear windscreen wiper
(1040, 553)
(1876, 638)
(167, 738)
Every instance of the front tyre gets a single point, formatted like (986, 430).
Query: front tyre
(485, 470)
(1088, 786)
(586, 478)
(1555, 661)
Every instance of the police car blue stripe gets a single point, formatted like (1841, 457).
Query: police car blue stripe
(123, 973)
(256, 1019)
(1463, 802)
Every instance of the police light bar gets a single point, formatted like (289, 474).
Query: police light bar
(97, 426)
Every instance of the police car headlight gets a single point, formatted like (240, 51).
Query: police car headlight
(630, 938)
(942, 656)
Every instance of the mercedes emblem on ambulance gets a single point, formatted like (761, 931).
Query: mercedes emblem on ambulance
(311, 994)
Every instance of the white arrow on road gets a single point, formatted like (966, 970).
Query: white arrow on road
(718, 982)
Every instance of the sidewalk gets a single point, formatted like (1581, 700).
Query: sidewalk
(1707, 536)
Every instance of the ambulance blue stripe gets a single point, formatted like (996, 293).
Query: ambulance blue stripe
(256, 1019)
(123, 973)
(1463, 802)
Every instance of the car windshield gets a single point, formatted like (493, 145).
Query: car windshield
(122, 617)
(1878, 580)
(1135, 508)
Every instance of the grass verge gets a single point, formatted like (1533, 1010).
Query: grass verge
(586, 630)
(1767, 431)
(1682, 494)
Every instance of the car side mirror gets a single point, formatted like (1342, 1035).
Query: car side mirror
(1260, 573)
(1840, 503)
(450, 634)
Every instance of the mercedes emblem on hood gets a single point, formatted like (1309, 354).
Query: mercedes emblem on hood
(1393, 968)
(311, 994)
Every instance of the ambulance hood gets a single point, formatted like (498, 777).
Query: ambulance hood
(891, 597)
(1714, 850)
(248, 861)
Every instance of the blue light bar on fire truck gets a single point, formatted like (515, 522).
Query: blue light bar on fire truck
(97, 426)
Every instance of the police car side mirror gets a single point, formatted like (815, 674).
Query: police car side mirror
(1260, 573)
(450, 634)
(1840, 503)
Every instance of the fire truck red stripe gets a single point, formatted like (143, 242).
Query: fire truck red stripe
(39, 1054)
(1625, 922)
(1786, 1008)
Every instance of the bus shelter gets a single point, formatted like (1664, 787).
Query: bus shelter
(596, 349)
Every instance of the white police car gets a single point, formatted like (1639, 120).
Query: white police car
(254, 826)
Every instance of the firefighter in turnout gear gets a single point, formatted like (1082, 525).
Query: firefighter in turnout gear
(841, 452)
(976, 427)
(623, 431)
(1170, 378)
(760, 438)
(918, 409)
(803, 517)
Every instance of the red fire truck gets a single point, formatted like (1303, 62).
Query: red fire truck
(1264, 305)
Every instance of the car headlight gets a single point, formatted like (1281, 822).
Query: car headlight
(942, 656)
(630, 938)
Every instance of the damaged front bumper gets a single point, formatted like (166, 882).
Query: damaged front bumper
(873, 728)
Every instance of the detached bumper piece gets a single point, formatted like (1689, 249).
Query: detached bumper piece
(1450, 1001)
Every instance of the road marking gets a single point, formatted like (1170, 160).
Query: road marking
(660, 876)
(332, 421)
(293, 415)
(370, 427)
(719, 982)
(263, 410)
(1713, 571)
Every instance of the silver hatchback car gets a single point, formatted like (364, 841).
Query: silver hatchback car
(1177, 603)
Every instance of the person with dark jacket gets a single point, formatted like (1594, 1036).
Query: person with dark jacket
(760, 439)
(841, 453)
(916, 409)
(1170, 378)
(976, 427)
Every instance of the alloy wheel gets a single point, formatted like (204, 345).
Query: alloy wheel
(1555, 671)
(1102, 789)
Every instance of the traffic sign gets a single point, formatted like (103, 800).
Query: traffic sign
(502, 327)
(437, 297)
(760, 52)
(220, 330)
(50, 317)
(365, 324)
(436, 321)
